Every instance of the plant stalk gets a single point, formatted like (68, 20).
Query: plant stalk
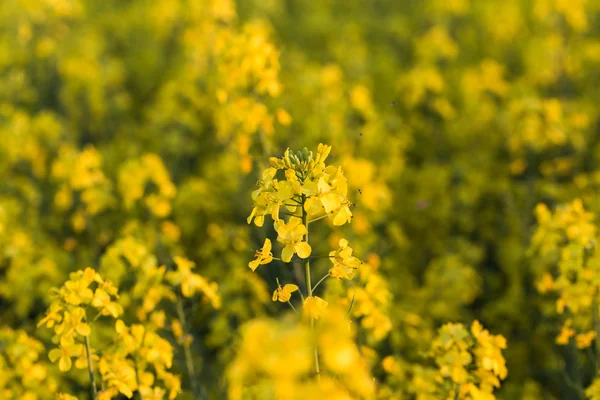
(88, 351)
(597, 329)
(189, 361)
(309, 285)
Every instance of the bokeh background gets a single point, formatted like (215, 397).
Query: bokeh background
(452, 119)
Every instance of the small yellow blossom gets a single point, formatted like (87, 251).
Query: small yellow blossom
(344, 264)
(284, 294)
(263, 256)
(291, 235)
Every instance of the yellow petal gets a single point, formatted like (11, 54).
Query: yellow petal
(287, 253)
(54, 354)
(83, 329)
(343, 215)
(64, 364)
(253, 264)
(303, 249)
(290, 288)
(120, 326)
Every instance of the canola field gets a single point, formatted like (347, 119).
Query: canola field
(299, 200)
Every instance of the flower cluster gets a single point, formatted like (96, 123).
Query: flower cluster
(307, 190)
(272, 361)
(137, 174)
(308, 186)
(24, 373)
(138, 359)
(191, 282)
(564, 247)
(470, 362)
(68, 315)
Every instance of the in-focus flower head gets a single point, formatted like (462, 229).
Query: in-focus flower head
(344, 263)
(263, 256)
(68, 314)
(291, 234)
(284, 294)
(306, 180)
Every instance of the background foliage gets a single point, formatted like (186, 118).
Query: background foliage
(134, 131)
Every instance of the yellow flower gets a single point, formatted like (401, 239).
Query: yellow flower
(263, 256)
(291, 235)
(153, 393)
(314, 307)
(102, 301)
(119, 374)
(73, 321)
(584, 340)
(342, 215)
(344, 264)
(63, 354)
(283, 117)
(52, 316)
(76, 290)
(284, 294)
(65, 396)
(191, 282)
(565, 333)
(323, 196)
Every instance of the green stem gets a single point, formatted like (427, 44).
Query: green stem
(88, 353)
(289, 214)
(309, 285)
(318, 283)
(137, 377)
(316, 219)
(293, 308)
(597, 329)
(189, 362)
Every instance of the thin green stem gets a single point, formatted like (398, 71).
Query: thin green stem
(322, 279)
(309, 284)
(597, 329)
(189, 361)
(140, 396)
(316, 257)
(351, 305)
(293, 308)
(88, 352)
(289, 214)
(316, 219)
(96, 318)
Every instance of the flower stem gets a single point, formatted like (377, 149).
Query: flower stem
(596, 320)
(316, 219)
(189, 362)
(318, 283)
(309, 284)
(88, 353)
(137, 377)
(293, 308)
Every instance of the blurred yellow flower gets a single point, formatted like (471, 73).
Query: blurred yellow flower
(314, 307)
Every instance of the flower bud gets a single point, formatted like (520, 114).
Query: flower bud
(305, 154)
(274, 161)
